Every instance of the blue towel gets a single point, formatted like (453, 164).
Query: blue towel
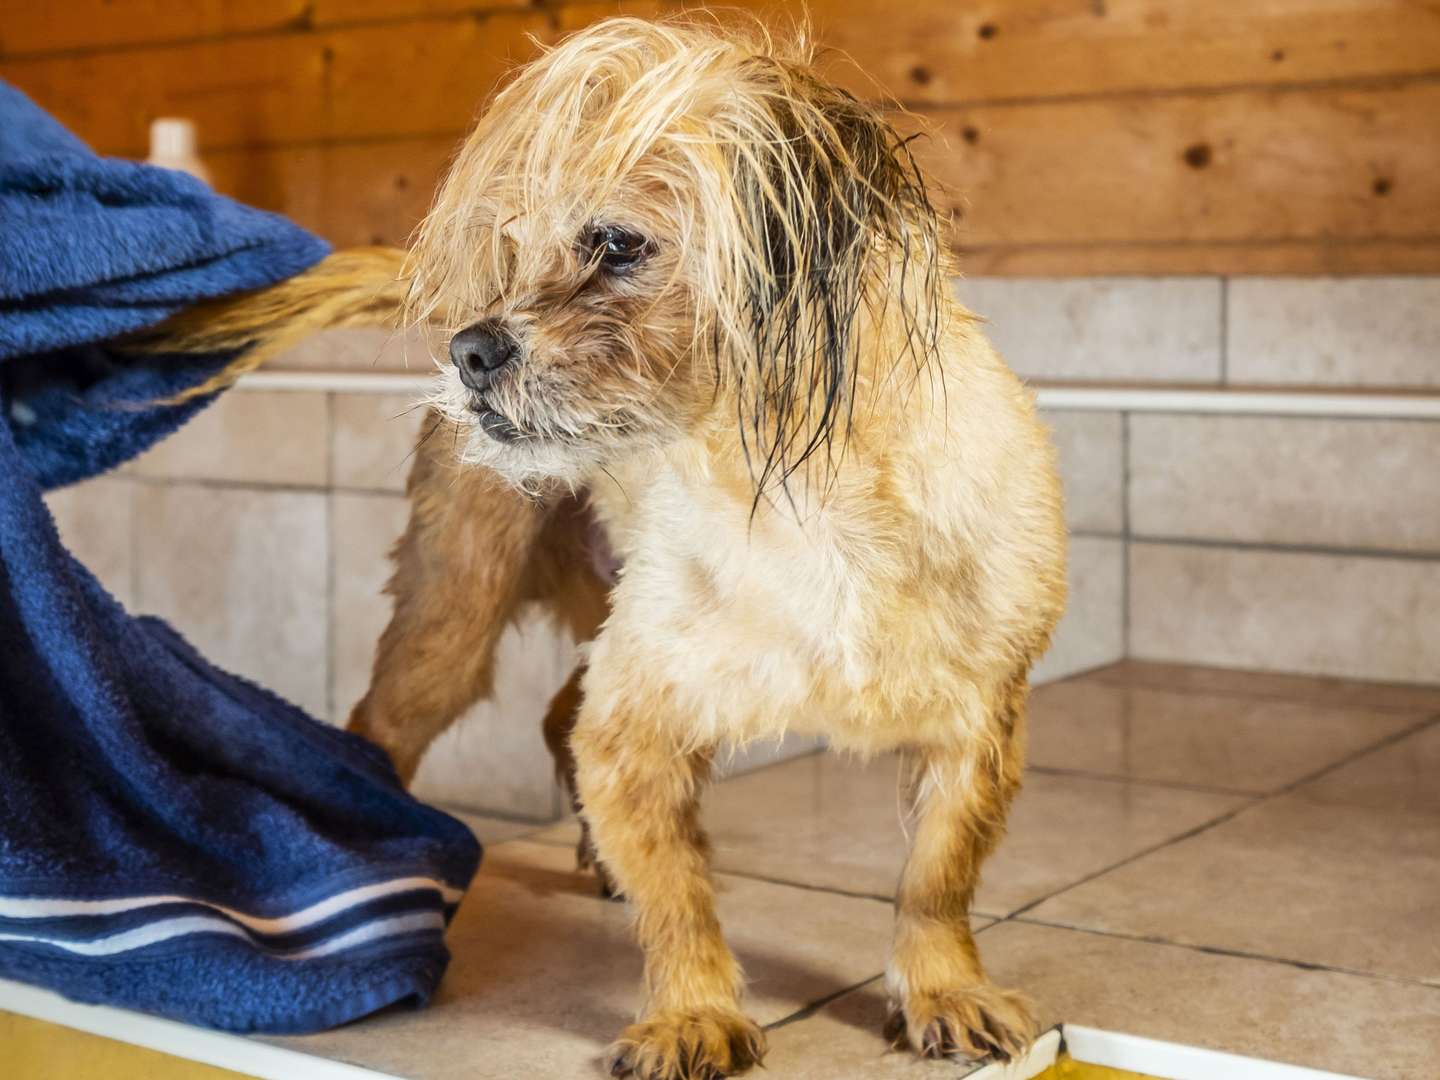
(172, 838)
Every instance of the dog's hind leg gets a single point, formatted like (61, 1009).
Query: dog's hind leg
(460, 571)
(559, 723)
(940, 1000)
(640, 791)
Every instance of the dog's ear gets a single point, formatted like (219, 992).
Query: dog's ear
(839, 227)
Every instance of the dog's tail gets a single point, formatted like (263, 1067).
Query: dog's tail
(358, 287)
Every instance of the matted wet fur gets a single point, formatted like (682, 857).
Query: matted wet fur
(699, 293)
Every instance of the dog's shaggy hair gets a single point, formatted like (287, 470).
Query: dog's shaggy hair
(725, 331)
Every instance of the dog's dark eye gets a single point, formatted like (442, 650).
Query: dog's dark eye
(616, 249)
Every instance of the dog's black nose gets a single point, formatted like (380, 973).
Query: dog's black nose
(480, 351)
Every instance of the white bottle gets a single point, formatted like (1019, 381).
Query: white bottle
(172, 146)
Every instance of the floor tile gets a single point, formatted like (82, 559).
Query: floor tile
(1254, 745)
(1293, 879)
(831, 822)
(1347, 1024)
(545, 972)
(1314, 688)
(842, 1041)
(492, 831)
(1402, 776)
(1325, 1020)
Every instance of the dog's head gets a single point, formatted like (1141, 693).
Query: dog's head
(653, 222)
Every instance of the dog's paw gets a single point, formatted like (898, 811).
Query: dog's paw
(972, 1022)
(702, 1045)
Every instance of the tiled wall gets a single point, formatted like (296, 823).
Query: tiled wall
(1299, 544)
(1296, 543)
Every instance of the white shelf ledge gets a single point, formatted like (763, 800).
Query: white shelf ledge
(1270, 402)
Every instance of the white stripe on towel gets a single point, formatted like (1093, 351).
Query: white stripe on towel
(16, 907)
(166, 929)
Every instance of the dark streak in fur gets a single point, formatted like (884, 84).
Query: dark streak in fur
(846, 238)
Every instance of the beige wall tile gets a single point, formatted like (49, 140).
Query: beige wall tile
(1165, 329)
(1354, 616)
(1361, 331)
(356, 349)
(1287, 480)
(1092, 631)
(242, 575)
(372, 439)
(364, 527)
(1091, 458)
(494, 759)
(94, 519)
(253, 437)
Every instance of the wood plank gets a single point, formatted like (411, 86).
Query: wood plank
(940, 51)
(1232, 167)
(413, 78)
(931, 52)
(43, 26)
(352, 194)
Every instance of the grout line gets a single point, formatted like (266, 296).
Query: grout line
(1290, 549)
(1215, 950)
(331, 669)
(263, 486)
(1249, 804)
(1125, 646)
(1160, 785)
(815, 1006)
(1123, 683)
(1137, 855)
(1224, 329)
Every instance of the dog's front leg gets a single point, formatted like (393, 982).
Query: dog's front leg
(940, 1000)
(640, 792)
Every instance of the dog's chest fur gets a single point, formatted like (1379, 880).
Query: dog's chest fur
(886, 613)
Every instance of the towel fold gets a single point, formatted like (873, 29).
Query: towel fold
(172, 838)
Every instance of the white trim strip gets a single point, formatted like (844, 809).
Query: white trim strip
(46, 908)
(1174, 1061)
(1043, 1053)
(168, 929)
(1270, 402)
(338, 382)
(221, 1049)
(1417, 406)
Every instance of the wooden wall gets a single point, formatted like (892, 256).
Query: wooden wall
(1076, 136)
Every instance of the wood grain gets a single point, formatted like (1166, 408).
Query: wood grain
(1071, 136)
(1240, 166)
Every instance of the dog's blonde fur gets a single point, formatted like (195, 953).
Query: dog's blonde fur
(836, 510)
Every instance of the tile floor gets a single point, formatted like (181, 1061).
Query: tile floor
(1244, 862)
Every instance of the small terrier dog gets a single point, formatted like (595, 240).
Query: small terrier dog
(699, 297)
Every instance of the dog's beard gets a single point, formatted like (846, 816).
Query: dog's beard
(537, 433)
